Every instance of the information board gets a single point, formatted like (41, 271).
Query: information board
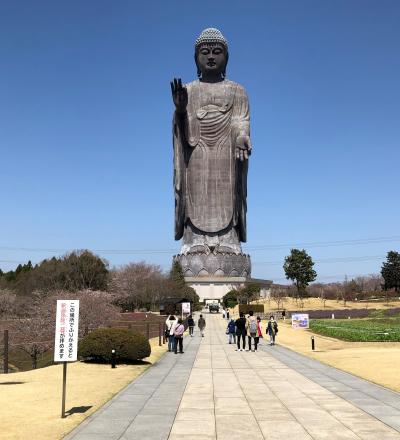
(186, 308)
(66, 338)
(300, 320)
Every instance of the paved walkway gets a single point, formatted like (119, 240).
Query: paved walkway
(214, 392)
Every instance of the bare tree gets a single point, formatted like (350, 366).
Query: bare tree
(137, 284)
(96, 309)
(350, 290)
(34, 334)
(7, 303)
(278, 295)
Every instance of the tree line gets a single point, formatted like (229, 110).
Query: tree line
(28, 295)
(133, 286)
(299, 268)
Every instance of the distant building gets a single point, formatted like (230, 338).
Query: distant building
(211, 289)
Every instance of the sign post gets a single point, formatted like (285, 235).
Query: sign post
(300, 320)
(66, 339)
(186, 308)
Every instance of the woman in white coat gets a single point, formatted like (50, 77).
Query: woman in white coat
(170, 324)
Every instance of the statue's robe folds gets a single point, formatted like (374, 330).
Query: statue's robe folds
(210, 183)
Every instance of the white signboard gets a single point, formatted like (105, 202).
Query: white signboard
(186, 308)
(66, 340)
(300, 320)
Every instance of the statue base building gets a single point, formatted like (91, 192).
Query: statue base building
(214, 274)
(214, 264)
(211, 289)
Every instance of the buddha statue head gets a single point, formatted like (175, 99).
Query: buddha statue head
(211, 55)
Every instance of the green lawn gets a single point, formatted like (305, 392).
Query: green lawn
(359, 330)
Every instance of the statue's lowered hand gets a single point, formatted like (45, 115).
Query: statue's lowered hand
(243, 147)
(179, 95)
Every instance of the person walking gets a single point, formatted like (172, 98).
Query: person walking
(170, 325)
(259, 333)
(231, 330)
(251, 328)
(191, 325)
(178, 335)
(223, 313)
(202, 325)
(227, 314)
(241, 331)
(272, 330)
(284, 314)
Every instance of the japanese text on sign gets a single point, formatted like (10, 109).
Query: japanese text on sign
(66, 338)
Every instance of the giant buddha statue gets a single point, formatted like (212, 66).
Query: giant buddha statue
(211, 137)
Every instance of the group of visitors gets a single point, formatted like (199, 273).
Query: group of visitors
(252, 328)
(174, 330)
(238, 331)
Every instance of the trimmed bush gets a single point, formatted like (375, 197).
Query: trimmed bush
(256, 308)
(128, 345)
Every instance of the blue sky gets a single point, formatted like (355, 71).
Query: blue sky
(85, 127)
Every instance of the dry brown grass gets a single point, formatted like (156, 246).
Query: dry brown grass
(317, 304)
(374, 361)
(377, 362)
(32, 409)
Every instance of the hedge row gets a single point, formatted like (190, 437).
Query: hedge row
(128, 345)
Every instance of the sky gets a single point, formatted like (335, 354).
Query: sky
(85, 128)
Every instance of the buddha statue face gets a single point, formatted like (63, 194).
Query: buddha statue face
(211, 60)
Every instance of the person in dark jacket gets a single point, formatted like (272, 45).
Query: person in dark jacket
(241, 331)
(231, 330)
(190, 322)
(272, 329)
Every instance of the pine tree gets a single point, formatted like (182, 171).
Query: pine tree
(176, 275)
(391, 271)
(180, 286)
(298, 267)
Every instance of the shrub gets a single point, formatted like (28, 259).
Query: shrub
(256, 308)
(128, 345)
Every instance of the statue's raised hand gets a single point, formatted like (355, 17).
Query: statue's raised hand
(243, 147)
(179, 95)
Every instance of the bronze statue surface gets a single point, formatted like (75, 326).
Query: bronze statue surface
(211, 137)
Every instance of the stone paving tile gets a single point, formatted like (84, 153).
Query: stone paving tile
(194, 427)
(231, 406)
(278, 430)
(147, 407)
(393, 421)
(223, 394)
(97, 436)
(191, 437)
(371, 399)
(196, 414)
(149, 427)
(111, 426)
(271, 414)
(237, 428)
